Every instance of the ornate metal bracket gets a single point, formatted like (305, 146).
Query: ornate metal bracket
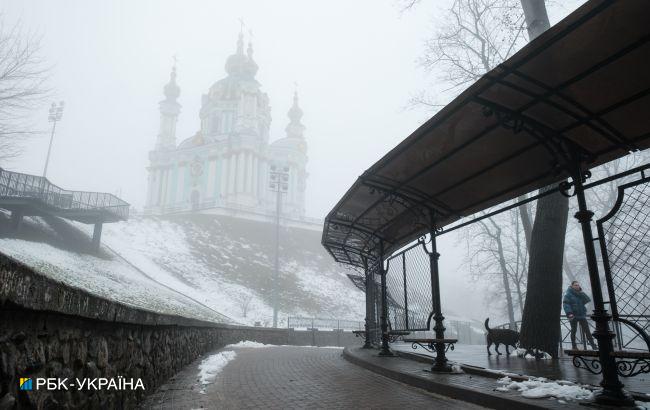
(431, 346)
(565, 186)
(625, 366)
(632, 367)
(591, 364)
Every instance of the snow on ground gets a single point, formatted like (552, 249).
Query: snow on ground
(519, 352)
(642, 404)
(159, 248)
(257, 345)
(540, 388)
(153, 264)
(108, 278)
(247, 343)
(212, 365)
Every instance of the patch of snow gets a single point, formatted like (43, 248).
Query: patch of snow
(248, 344)
(212, 365)
(257, 345)
(522, 353)
(540, 387)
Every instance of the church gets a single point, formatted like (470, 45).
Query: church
(229, 167)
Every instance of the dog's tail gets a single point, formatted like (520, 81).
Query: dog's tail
(486, 325)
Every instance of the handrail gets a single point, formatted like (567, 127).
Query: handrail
(20, 185)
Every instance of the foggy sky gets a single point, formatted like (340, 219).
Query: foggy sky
(354, 62)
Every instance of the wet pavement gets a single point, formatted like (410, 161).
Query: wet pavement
(560, 369)
(293, 378)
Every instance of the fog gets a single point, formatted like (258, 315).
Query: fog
(354, 65)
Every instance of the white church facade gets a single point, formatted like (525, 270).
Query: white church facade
(226, 167)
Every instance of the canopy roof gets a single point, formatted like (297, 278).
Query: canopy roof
(578, 93)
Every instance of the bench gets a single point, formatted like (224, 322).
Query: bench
(628, 363)
(395, 335)
(431, 345)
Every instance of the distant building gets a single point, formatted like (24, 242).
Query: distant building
(224, 167)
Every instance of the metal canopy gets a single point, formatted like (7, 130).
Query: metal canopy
(577, 94)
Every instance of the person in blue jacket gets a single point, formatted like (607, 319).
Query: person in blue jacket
(574, 306)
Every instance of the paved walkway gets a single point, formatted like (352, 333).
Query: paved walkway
(293, 378)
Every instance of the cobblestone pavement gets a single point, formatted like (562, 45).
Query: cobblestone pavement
(293, 378)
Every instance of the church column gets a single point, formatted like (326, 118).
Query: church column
(159, 187)
(163, 184)
(150, 187)
(209, 191)
(180, 183)
(245, 173)
(232, 173)
(223, 186)
(256, 177)
(249, 173)
(240, 172)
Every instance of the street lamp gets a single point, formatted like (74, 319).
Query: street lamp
(56, 112)
(279, 183)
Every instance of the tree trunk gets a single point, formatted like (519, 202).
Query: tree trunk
(536, 17)
(521, 299)
(540, 322)
(504, 273)
(542, 309)
(568, 270)
(526, 223)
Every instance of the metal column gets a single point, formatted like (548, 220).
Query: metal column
(385, 349)
(612, 393)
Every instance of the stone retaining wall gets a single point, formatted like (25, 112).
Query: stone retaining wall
(49, 330)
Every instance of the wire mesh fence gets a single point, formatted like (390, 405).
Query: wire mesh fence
(624, 236)
(408, 284)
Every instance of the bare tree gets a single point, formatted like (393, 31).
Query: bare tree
(495, 254)
(22, 86)
(244, 301)
(475, 37)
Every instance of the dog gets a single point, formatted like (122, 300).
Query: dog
(501, 336)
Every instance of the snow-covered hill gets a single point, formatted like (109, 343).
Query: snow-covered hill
(194, 265)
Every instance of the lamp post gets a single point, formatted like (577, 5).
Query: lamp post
(278, 183)
(56, 112)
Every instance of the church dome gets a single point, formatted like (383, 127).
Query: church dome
(294, 140)
(239, 64)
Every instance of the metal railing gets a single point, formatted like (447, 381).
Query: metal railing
(297, 322)
(18, 185)
(626, 337)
